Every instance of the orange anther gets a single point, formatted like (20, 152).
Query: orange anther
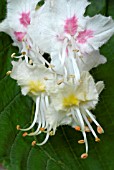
(23, 53)
(97, 140)
(87, 129)
(42, 129)
(77, 128)
(89, 119)
(81, 141)
(25, 134)
(33, 143)
(18, 127)
(100, 130)
(84, 155)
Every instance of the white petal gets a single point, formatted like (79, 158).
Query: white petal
(102, 28)
(87, 87)
(12, 25)
(55, 118)
(25, 74)
(100, 86)
(89, 61)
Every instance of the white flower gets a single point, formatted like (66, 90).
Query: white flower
(62, 30)
(55, 118)
(65, 24)
(33, 80)
(84, 63)
(71, 104)
(19, 15)
(64, 92)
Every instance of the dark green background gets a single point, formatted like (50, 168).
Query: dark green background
(61, 151)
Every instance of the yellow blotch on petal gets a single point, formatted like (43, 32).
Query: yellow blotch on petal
(36, 86)
(70, 101)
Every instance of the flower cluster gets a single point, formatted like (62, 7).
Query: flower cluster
(63, 89)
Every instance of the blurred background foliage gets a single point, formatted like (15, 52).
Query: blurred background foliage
(62, 150)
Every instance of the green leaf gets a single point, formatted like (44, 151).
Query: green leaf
(62, 152)
(96, 7)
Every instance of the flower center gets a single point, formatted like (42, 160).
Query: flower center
(84, 36)
(71, 25)
(70, 101)
(36, 86)
(19, 35)
(25, 19)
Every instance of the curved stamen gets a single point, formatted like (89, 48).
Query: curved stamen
(40, 57)
(64, 52)
(45, 140)
(36, 115)
(92, 117)
(82, 126)
(75, 68)
(42, 110)
(89, 125)
(38, 128)
(74, 117)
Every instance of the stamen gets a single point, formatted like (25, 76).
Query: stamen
(13, 55)
(72, 76)
(23, 53)
(8, 73)
(60, 81)
(42, 129)
(18, 127)
(28, 47)
(92, 117)
(45, 78)
(87, 129)
(51, 133)
(82, 128)
(30, 62)
(75, 50)
(47, 101)
(97, 140)
(90, 127)
(25, 134)
(38, 128)
(51, 66)
(100, 130)
(45, 140)
(35, 117)
(77, 128)
(84, 156)
(76, 69)
(81, 141)
(33, 143)
(64, 52)
(89, 119)
(43, 110)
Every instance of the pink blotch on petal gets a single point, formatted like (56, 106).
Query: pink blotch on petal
(84, 36)
(71, 25)
(19, 35)
(25, 19)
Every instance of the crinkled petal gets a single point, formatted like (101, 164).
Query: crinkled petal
(100, 86)
(19, 14)
(89, 61)
(87, 87)
(97, 32)
(55, 118)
